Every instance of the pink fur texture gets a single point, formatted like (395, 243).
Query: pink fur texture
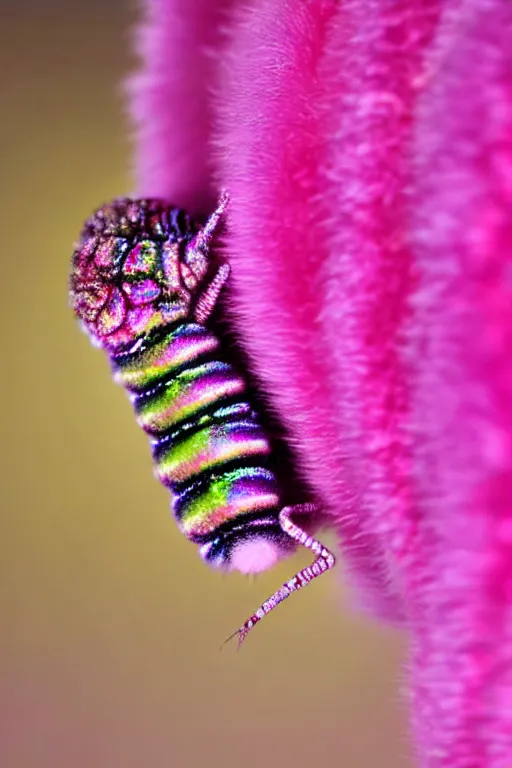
(170, 100)
(460, 338)
(367, 148)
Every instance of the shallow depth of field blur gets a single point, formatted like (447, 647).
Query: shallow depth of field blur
(111, 624)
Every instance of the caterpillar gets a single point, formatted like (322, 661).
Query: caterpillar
(144, 285)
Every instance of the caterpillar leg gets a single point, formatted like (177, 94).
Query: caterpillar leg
(195, 265)
(202, 241)
(324, 561)
(208, 298)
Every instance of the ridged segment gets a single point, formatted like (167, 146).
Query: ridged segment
(234, 493)
(187, 394)
(209, 448)
(178, 347)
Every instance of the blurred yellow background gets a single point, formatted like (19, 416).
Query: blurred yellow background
(111, 624)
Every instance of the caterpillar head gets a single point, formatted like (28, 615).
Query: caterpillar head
(138, 265)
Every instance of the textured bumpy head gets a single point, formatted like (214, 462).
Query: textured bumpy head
(138, 265)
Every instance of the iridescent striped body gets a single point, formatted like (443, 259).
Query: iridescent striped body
(144, 285)
(209, 447)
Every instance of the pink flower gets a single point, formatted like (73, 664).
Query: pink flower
(367, 147)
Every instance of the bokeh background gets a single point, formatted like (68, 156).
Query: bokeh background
(110, 623)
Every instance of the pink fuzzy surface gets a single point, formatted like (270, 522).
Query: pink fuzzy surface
(367, 148)
(460, 337)
(171, 103)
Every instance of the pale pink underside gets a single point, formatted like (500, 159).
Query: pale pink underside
(255, 556)
(367, 148)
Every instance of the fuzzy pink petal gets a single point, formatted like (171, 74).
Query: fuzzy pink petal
(171, 103)
(269, 145)
(460, 588)
(370, 71)
(312, 130)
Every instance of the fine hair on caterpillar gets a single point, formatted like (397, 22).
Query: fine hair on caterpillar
(145, 285)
